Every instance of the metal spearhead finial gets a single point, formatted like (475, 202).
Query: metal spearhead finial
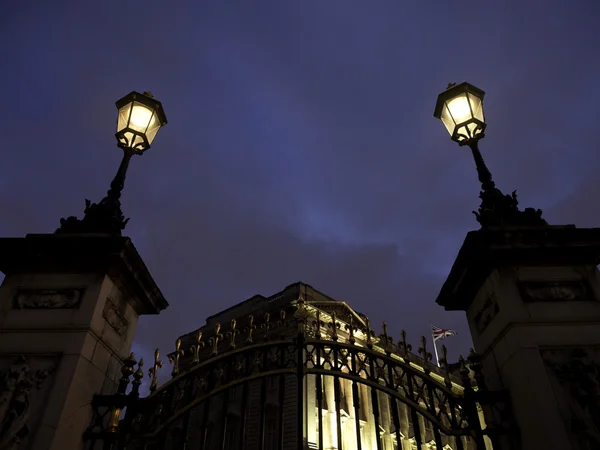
(334, 327)
(249, 329)
(137, 379)
(351, 328)
(153, 371)
(301, 312)
(385, 337)
(369, 332)
(267, 325)
(318, 324)
(425, 354)
(281, 320)
(126, 371)
(406, 347)
(231, 334)
(214, 340)
(197, 346)
(174, 359)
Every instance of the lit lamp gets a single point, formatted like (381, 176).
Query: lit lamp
(139, 118)
(460, 108)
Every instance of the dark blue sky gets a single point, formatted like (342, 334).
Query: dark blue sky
(301, 143)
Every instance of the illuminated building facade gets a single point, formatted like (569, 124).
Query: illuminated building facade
(301, 370)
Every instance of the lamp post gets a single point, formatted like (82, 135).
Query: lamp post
(139, 118)
(460, 108)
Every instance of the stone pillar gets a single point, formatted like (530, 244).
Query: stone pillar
(69, 306)
(532, 298)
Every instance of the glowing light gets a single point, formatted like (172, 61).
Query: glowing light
(460, 109)
(140, 117)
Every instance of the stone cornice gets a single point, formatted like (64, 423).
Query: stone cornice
(486, 249)
(114, 256)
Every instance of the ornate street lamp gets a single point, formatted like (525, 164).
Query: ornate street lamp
(139, 118)
(460, 108)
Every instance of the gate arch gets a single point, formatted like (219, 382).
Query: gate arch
(297, 388)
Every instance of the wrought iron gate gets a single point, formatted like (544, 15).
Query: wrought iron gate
(304, 389)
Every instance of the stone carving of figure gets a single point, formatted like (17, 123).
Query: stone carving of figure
(554, 291)
(16, 384)
(114, 318)
(48, 298)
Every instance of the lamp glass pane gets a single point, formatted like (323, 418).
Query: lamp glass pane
(447, 120)
(152, 129)
(141, 116)
(460, 108)
(123, 117)
(476, 106)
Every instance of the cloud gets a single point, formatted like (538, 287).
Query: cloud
(301, 143)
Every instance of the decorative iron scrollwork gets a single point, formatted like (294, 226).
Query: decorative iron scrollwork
(340, 366)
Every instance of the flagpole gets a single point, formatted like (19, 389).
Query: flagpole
(437, 358)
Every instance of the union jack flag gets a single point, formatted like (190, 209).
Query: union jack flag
(441, 333)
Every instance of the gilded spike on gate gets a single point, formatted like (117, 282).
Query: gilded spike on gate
(153, 371)
(424, 353)
(197, 346)
(126, 371)
(301, 313)
(214, 340)
(267, 325)
(137, 379)
(232, 333)
(406, 347)
(174, 359)
(317, 323)
(351, 329)
(334, 327)
(281, 320)
(249, 329)
(369, 333)
(385, 338)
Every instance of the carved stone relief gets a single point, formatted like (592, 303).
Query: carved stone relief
(578, 374)
(486, 313)
(48, 298)
(115, 318)
(554, 291)
(18, 383)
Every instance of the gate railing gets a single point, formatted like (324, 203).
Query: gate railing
(299, 388)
